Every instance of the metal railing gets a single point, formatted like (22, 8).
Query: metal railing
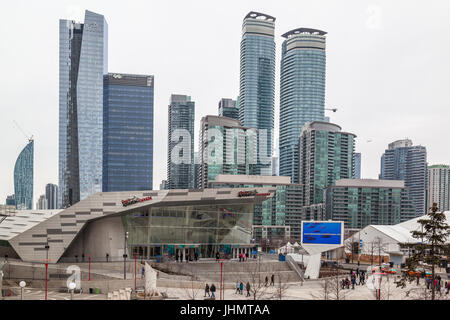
(294, 266)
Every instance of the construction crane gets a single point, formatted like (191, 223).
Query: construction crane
(331, 109)
(30, 138)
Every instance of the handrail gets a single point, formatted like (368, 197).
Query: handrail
(291, 262)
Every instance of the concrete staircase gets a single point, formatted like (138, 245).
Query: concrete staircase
(232, 271)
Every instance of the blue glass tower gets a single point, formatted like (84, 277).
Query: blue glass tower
(180, 150)
(302, 91)
(83, 62)
(23, 178)
(257, 84)
(128, 132)
(403, 161)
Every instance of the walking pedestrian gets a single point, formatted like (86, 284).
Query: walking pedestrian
(181, 257)
(217, 256)
(207, 290)
(267, 281)
(428, 283)
(213, 290)
(353, 282)
(246, 256)
(241, 287)
(272, 280)
(143, 273)
(237, 287)
(248, 289)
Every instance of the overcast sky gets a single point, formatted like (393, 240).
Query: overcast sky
(388, 68)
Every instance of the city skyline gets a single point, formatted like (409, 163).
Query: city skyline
(406, 98)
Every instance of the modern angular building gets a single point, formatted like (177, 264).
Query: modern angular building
(158, 223)
(23, 178)
(51, 196)
(403, 161)
(357, 160)
(361, 202)
(83, 62)
(326, 155)
(439, 186)
(10, 200)
(225, 147)
(228, 108)
(128, 132)
(41, 204)
(180, 150)
(279, 216)
(302, 91)
(257, 84)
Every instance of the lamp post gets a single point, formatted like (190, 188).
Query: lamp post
(47, 247)
(125, 257)
(89, 268)
(22, 285)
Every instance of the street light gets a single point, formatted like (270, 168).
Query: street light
(71, 286)
(22, 285)
(125, 257)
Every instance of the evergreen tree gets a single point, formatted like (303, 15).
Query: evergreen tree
(430, 248)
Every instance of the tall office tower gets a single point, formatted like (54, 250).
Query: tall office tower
(23, 177)
(403, 161)
(439, 186)
(83, 62)
(228, 108)
(41, 204)
(326, 155)
(302, 91)
(275, 171)
(128, 132)
(357, 161)
(10, 200)
(163, 185)
(360, 202)
(257, 84)
(180, 151)
(225, 147)
(196, 169)
(51, 196)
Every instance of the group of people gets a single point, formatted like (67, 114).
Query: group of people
(243, 257)
(209, 289)
(356, 278)
(179, 256)
(240, 288)
(438, 284)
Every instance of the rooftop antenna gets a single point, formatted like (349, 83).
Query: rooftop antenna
(30, 138)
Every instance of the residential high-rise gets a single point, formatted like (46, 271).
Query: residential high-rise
(163, 185)
(196, 169)
(357, 160)
(439, 186)
(403, 161)
(257, 84)
(180, 151)
(51, 196)
(225, 147)
(41, 204)
(302, 91)
(228, 108)
(326, 155)
(10, 200)
(23, 177)
(83, 62)
(361, 202)
(128, 132)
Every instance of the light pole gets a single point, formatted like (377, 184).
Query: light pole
(22, 285)
(47, 247)
(125, 257)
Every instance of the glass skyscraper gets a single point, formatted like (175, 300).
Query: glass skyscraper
(225, 148)
(257, 84)
(51, 196)
(23, 178)
(326, 155)
(180, 150)
(403, 161)
(357, 160)
(302, 91)
(83, 62)
(128, 132)
(228, 108)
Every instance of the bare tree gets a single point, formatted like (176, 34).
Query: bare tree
(331, 288)
(258, 287)
(280, 288)
(193, 289)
